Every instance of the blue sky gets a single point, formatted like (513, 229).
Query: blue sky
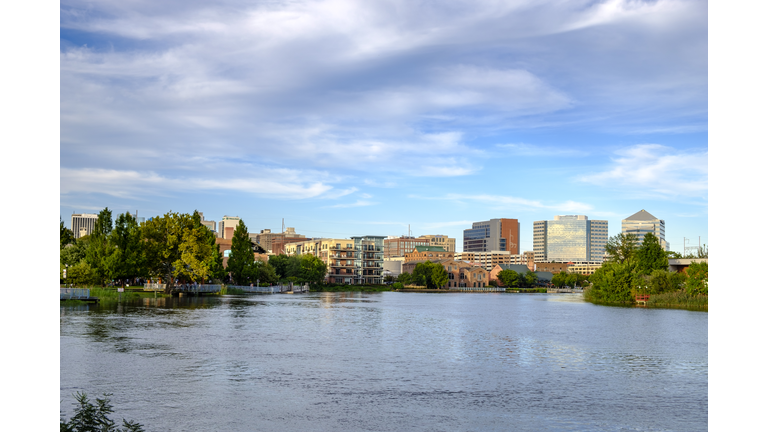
(350, 118)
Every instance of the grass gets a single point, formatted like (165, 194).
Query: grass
(73, 303)
(110, 293)
(679, 299)
(229, 290)
(527, 290)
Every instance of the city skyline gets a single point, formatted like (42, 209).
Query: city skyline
(351, 119)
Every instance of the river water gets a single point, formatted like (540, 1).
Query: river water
(388, 362)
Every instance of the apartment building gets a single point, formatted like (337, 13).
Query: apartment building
(358, 260)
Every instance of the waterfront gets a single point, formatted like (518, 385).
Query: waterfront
(389, 361)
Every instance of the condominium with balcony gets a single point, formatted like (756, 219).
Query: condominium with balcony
(358, 260)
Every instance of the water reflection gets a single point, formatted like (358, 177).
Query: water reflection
(389, 361)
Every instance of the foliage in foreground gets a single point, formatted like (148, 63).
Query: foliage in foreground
(92, 418)
(679, 299)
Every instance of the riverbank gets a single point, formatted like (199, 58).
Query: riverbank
(132, 292)
(344, 288)
(668, 300)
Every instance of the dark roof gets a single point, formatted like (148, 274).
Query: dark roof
(430, 249)
(544, 275)
(642, 215)
(519, 268)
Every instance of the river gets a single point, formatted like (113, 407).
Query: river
(388, 362)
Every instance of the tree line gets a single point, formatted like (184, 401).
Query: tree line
(174, 248)
(631, 270)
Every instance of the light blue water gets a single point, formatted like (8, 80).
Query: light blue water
(388, 362)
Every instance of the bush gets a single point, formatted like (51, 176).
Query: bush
(397, 285)
(94, 418)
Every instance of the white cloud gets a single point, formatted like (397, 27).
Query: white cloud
(510, 202)
(653, 169)
(134, 184)
(358, 203)
(523, 149)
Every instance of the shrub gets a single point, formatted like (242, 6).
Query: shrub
(89, 417)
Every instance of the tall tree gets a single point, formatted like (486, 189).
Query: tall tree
(651, 256)
(439, 276)
(162, 237)
(195, 254)
(128, 260)
(100, 252)
(240, 263)
(65, 235)
(621, 247)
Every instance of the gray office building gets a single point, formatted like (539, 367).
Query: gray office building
(642, 223)
(570, 238)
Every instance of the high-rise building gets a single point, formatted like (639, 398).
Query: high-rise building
(211, 225)
(642, 223)
(571, 238)
(493, 235)
(83, 224)
(227, 226)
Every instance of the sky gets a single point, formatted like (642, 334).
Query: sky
(364, 118)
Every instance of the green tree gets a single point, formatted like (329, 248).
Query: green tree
(621, 247)
(73, 253)
(92, 418)
(650, 256)
(216, 258)
(65, 235)
(422, 274)
(698, 279)
(509, 278)
(162, 238)
(100, 252)
(439, 276)
(280, 264)
(128, 260)
(673, 255)
(614, 282)
(404, 278)
(241, 259)
(81, 274)
(195, 248)
(265, 273)
(531, 278)
(312, 269)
